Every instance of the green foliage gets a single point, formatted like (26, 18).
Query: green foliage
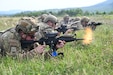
(62, 12)
(93, 59)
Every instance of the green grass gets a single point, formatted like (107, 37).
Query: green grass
(93, 59)
(7, 22)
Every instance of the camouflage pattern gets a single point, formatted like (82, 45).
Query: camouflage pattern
(66, 17)
(65, 20)
(10, 41)
(43, 28)
(81, 22)
(77, 24)
(51, 18)
(84, 21)
(72, 20)
(41, 18)
(12, 47)
(77, 19)
(72, 23)
(27, 25)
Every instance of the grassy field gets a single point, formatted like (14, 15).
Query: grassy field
(93, 59)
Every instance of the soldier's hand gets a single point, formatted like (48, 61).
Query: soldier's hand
(68, 31)
(60, 44)
(40, 49)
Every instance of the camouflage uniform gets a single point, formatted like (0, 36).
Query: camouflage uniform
(77, 24)
(77, 19)
(45, 28)
(84, 21)
(10, 39)
(81, 23)
(41, 18)
(74, 20)
(65, 20)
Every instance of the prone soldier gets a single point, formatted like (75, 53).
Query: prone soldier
(24, 30)
(85, 21)
(10, 39)
(65, 21)
(48, 26)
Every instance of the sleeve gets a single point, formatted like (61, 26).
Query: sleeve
(11, 46)
(79, 25)
(46, 29)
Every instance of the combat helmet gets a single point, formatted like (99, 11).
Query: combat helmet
(27, 25)
(43, 16)
(51, 18)
(77, 18)
(85, 19)
(66, 17)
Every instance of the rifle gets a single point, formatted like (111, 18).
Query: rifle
(64, 28)
(93, 25)
(50, 39)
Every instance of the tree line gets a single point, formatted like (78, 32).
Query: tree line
(71, 12)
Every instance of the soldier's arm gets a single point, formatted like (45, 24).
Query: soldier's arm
(12, 47)
(37, 52)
